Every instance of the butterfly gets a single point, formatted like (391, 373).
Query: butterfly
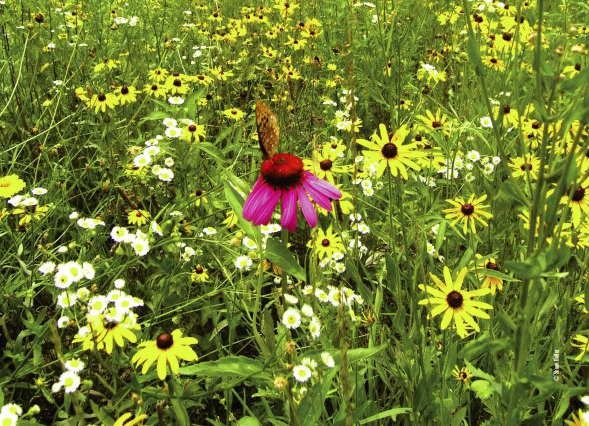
(268, 130)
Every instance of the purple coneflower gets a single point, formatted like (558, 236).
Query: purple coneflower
(283, 177)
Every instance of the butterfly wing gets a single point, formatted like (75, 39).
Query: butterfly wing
(268, 130)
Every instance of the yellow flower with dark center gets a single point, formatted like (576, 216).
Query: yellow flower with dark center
(493, 63)
(158, 74)
(469, 212)
(155, 89)
(102, 101)
(121, 420)
(234, 113)
(138, 217)
(388, 150)
(127, 94)
(325, 162)
(526, 166)
(199, 194)
(10, 185)
(103, 334)
(166, 348)
(326, 243)
(480, 267)
(177, 85)
(192, 132)
(455, 303)
(435, 123)
(199, 274)
(462, 375)
(579, 201)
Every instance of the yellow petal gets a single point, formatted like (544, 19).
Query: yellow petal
(161, 366)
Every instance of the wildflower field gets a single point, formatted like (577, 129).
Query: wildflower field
(294, 212)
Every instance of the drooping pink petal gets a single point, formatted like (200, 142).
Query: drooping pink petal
(267, 207)
(317, 196)
(323, 186)
(259, 202)
(289, 209)
(307, 207)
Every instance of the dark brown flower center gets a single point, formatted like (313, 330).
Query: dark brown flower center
(579, 194)
(507, 36)
(282, 170)
(102, 97)
(389, 150)
(124, 90)
(436, 124)
(454, 299)
(192, 127)
(525, 167)
(506, 109)
(326, 164)
(536, 125)
(462, 375)
(467, 209)
(578, 67)
(198, 192)
(154, 87)
(177, 82)
(199, 270)
(325, 242)
(164, 341)
(492, 265)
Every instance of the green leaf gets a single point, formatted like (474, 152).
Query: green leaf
(482, 388)
(484, 344)
(359, 354)
(248, 421)
(508, 193)
(532, 267)
(236, 201)
(210, 149)
(310, 408)
(154, 115)
(230, 366)
(474, 54)
(280, 255)
(393, 412)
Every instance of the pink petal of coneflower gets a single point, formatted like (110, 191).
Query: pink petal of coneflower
(307, 207)
(323, 186)
(260, 203)
(317, 196)
(267, 206)
(289, 210)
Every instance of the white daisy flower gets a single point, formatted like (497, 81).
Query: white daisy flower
(119, 283)
(74, 365)
(88, 270)
(173, 132)
(119, 233)
(73, 268)
(47, 268)
(63, 279)
(11, 409)
(70, 381)
(142, 160)
(291, 318)
(170, 122)
(63, 322)
(327, 359)
(97, 305)
(8, 419)
(38, 191)
(66, 299)
(301, 373)
(315, 327)
(290, 299)
(307, 310)
(243, 262)
(141, 246)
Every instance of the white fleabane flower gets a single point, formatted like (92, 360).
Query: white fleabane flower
(30, 202)
(63, 279)
(307, 310)
(488, 169)
(169, 161)
(47, 268)
(83, 293)
(119, 283)
(290, 299)
(291, 318)
(209, 231)
(74, 215)
(473, 156)
(430, 249)
(15, 201)
(66, 299)
(243, 262)
(119, 233)
(164, 174)
(73, 268)
(339, 267)
(301, 373)
(141, 246)
(62, 249)
(315, 327)
(170, 122)
(321, 295)
(74, 365)
(496, 160)
(88, 270)
(8, 419)
(11, 409)
(63, 322)
(173, 132)
(249, 243)
(155, 228)
(142, 160)
(151, 151)
(70, 381)
(97, 305)
(327, 359)
(38, 191)
(486, 122)
(175, 100)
